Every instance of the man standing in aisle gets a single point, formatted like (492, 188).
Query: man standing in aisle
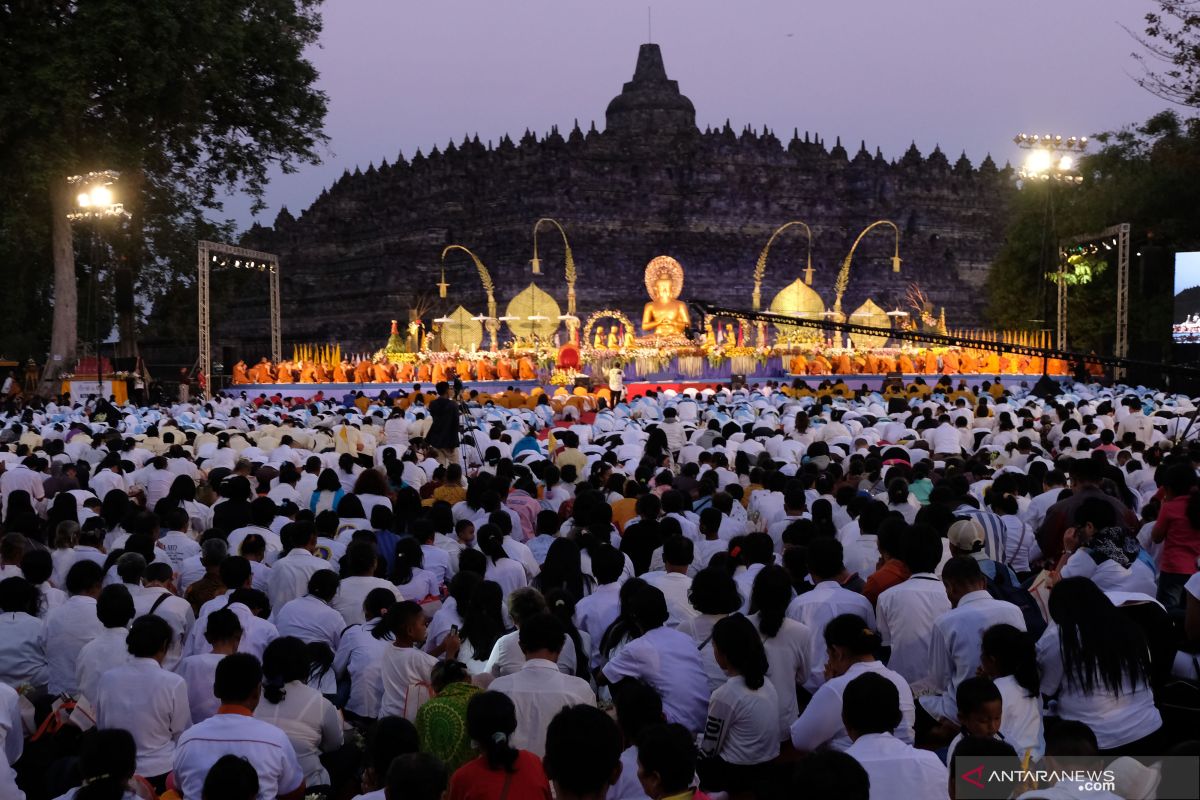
(616, 382)
(443, 430)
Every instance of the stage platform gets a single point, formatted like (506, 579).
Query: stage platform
(348, 391)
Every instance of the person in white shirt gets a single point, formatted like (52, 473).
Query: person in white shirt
(1103, 680)
(1008, 657)
(673, 581)
(870, 711)
(852, 646)
(290, 575)
(406, 671)
(788, 643)
(234, 731)
(412, 580)
(500, 568)
(311, 618)
(594, 613)
(434, 559)
(954, 645)
(311, 722)
(223, 631)
(539, 690)
(906, 612)
(178, 545)
(12, 741)
(359, 656)
(114, 609)
(665, 658)
(155, 597)
(826, 600)
(147, 700)
(359, 563)
(23, 656)
(72, 625)
(741, 733)
(108, 478)
(25, 477)
(262, 514)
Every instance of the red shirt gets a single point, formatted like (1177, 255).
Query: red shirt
(1182, 543)
(475, 780)
(892, 572)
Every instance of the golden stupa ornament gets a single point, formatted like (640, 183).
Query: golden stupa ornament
(799, 300)
(535, 312)
(461, 331)
(869, 313)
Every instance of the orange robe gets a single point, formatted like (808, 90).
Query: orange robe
(798, 365)
(463, 367)
(486, 373)
(308, 374)
(931, 363)
(339, 373)
(504, 369)
(285, 372)
(404, 371)
(382, 373)
(423, 372)
(819, 365)
(439, 371)
(525, 369)
(906, 364)
(969, 365)
(950, 363)
(321, 374)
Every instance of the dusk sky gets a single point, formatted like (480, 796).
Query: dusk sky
(964, 74)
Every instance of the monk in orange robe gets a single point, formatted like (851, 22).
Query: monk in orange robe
(404, 371)
(525, 369)
(485, 371)
(968, 365)
(1005, 363)
(931, 362)
(463, 368)
(798, 364)
(284, 373)
(439, 371)
(381, 372)
(340, 374)
(886, 364)
(424, 372)
(1035, 365)
(950, 363)
(320, 374)
(363, 371)
(504, 369)
(307, 373)
(819, 365)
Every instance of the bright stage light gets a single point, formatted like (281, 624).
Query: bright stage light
(84, 200)
(102, 196)
(1038, 161)
(1066, 163)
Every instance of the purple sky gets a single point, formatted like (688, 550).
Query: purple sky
(963, 73)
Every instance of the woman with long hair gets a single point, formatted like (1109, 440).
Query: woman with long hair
(563, 569)
(1097, 663)
(108, 766)
(347, 472)
(408, 573)
(371, 489)
(311, 723)
(115, 508)
(561, 605)
(787, 642)
(714, 595)
(501, 772)
(850, 646)
(739, 734)
(328, 494)
(183, 495)
(63, 508)
(1008, 657)
(500, 568)
(483, 624)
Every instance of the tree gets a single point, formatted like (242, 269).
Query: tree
(188, 99)
(1170, 59)
(1147, 175)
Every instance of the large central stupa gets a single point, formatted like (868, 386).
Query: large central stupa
(650, 183)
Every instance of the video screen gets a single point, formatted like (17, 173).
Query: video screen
(1185, 327)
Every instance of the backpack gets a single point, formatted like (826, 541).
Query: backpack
(1004, 586)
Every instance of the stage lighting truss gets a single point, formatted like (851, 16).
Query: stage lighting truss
(242, 263)
(1051, 157)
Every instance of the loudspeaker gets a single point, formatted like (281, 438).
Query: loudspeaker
(737, 381)
(583, 382)
(893, 378)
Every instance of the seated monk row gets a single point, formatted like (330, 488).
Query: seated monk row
(952, 362)
(383, 371)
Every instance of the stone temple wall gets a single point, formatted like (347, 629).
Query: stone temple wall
(651, 183)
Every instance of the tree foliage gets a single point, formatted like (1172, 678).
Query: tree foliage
(188, 99)
(1147, 175)
(1170, 57)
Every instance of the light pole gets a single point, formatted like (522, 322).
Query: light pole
(96, 201)
(1052, 158)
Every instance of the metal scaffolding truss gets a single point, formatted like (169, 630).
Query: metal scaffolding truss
(210, 254)
(1119, 233)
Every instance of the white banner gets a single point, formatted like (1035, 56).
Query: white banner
(81, 389)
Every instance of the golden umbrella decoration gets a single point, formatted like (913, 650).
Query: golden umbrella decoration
(798, 300)
(536, 313)
(869, 313)
(461, 330)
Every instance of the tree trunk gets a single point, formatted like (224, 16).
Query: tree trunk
(66, 298)
(130, 255)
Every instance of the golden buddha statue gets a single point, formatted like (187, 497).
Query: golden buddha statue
(664, 315)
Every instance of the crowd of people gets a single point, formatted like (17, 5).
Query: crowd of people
(775, 591)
